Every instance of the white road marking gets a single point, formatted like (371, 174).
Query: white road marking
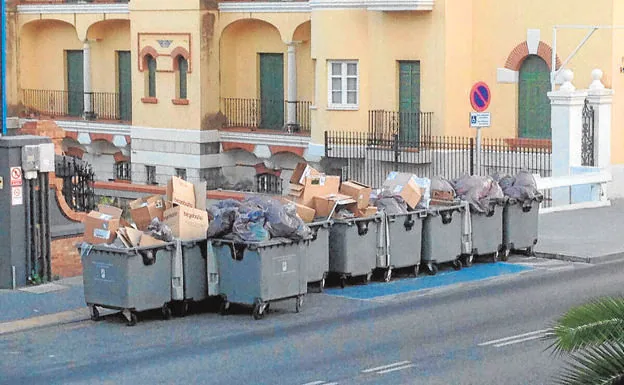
(315, 383)
(396, 369)
(515, 339)
(385, 367)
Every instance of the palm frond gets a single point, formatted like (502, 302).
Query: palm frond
(588, 325)
(596, 365)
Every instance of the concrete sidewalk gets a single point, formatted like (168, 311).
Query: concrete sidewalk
(590, 235)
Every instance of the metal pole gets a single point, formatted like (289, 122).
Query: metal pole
(478, 154)
(3, 65)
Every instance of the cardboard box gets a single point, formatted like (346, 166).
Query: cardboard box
(186, 223)
(307, 214)
(149, 241)
(101, 226)
(143, 210)
(364, 213)
(325, 204)
(181, 192)
(302, 170)
(403, 185)
(442, 195)
(315, 186)
(358, 191)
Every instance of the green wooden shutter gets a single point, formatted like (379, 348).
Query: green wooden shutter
(272, 90)
(75, 83)
(183, 68)
(409, 101)
(124, 80)
(533, 102)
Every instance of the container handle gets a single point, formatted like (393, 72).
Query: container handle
(362, 228)
(447, 217)
(237, 251)
(149, 256)
(526, 209)
(409, 223)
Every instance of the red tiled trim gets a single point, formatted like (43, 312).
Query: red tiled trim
(180, 102)
(181, 51)
(295, 150)
(75, 152)
(140, 188)
(71, 134)
(119, 157)
(228, 146)
(149, 100)
(57, 185)
(106, 137)
(521, 51)
(148, 50)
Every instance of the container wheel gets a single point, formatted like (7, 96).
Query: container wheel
(166, 312)
(505, 256)
(343, 281)
(133, 319)
(457, 265)
(468, 260)
(432, 269)
(322, 285)
(258, 311)
(224, 307)
(95, 313)
(299, 304)
(494, 257)
(184, 309)
(388, 275)
(416, 270)
(530, 251)
(367, 278)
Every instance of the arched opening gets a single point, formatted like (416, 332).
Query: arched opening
(181, 77)
(150, 76)
(252, 80)
(533, 102)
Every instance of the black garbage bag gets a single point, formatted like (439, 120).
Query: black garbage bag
(222, 216)
(390, 203)
(160, 231)
(481, 192)
(282, 220)
(249, 224)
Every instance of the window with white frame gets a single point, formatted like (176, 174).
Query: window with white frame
(343, 84)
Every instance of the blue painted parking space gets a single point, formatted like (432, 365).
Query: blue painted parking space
(444, 278)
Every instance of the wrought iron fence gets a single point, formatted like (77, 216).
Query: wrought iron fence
(268, 184)
(587, 141)
(411, 127)
(78, 178)
(248, 113)
(368, 158)
(123, 171)
(54, 103)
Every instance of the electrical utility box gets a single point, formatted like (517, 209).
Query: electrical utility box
(24, 213)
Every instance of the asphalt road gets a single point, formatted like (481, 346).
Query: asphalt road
(485, 332)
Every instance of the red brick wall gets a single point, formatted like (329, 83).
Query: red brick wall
(65, 257)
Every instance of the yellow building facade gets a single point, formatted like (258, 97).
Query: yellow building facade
(209, 89)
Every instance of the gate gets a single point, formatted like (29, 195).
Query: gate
(587, 144)
(78, 180)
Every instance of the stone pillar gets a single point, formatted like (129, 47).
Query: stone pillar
(88, 92)
(566, 122)
(291, 112)
(601, 99)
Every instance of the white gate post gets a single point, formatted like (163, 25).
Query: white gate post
(567, 126)
(601, 99)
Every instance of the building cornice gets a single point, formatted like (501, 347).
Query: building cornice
(77, 8)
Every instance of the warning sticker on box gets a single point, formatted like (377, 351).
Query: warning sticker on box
(102, 234)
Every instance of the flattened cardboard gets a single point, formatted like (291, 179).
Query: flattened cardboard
(325, 204)
(181, 192)
(186, 223)
(147, 241)
(302, 170)
(101, 226)
(200, 195)
(143, 210)
(358, 191)
(367, 212)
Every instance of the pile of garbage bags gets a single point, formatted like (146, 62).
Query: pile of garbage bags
(483, 193)
(256, 219)
(521, 187)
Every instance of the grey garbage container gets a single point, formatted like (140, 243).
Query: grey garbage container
(194, 277)
(520, 225)
(257, 273)
(354, 246)
(317, 253)
(405, 239)
(442, 237)
(487, 234)
(130, 280)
